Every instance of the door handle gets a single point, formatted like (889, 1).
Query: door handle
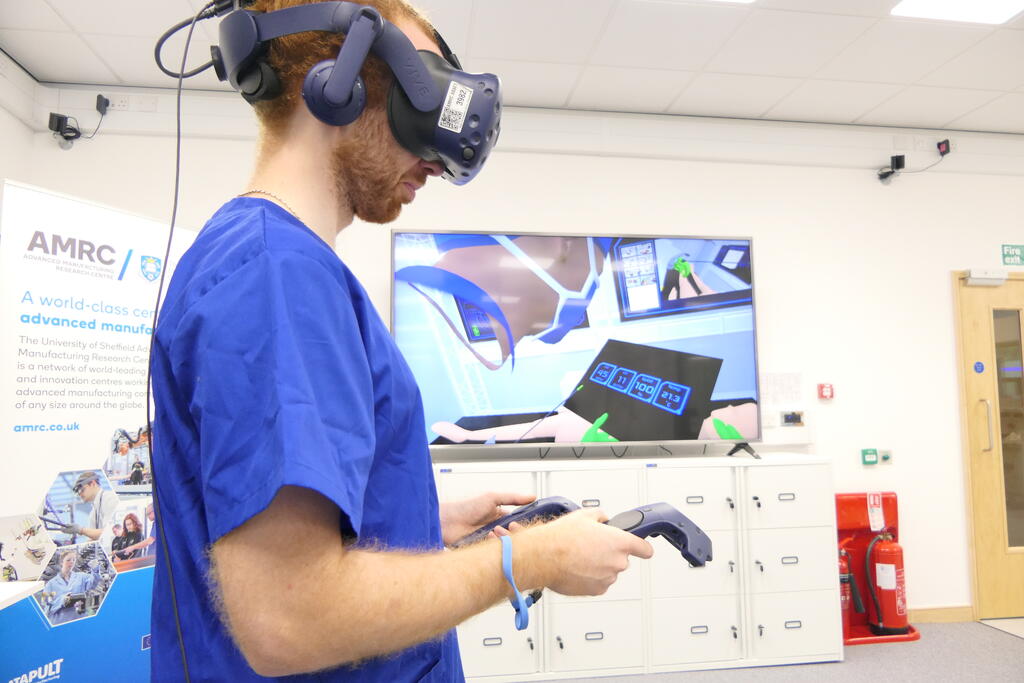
(757, 500)
(694, 500)
(594, 635)
(732, 505)
(491, 642)
(591, 502)
(760, 630)
(732, 566)
(529, 641)
(988, 414)
(760, 565)
(561, 645)
(735, 633)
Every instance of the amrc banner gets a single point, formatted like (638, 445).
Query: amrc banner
(78, 284)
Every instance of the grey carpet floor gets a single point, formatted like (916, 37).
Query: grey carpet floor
(945, 652)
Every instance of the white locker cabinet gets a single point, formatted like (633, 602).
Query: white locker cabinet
(789, 496)
(672, 576)
(595, 635)
(452, 485)
(769, 596)
(793, 559)
(704, 629)
(706, 495)
(795, 624)
(490, 644)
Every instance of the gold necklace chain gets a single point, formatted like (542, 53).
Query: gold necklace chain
(272, 196)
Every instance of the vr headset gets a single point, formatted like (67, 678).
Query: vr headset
(436, 110)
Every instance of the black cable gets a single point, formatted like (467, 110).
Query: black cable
(181, 75)
(922, 170)
(99, 123)
(209, 10)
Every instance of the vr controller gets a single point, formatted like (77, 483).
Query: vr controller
(657, 519)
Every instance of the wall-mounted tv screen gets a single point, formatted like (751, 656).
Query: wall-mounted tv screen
(570, 339)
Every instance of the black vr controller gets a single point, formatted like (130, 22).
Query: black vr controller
(656, 519)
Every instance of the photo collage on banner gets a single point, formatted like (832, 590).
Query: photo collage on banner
(78, 285)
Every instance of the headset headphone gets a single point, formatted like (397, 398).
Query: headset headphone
(436, 111)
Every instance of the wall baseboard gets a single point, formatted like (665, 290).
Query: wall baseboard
(941, 615)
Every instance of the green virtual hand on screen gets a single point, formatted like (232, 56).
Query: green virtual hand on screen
(595, 433)
(726, 430)
(683, 266)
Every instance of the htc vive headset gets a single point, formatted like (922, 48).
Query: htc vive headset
(436, 110)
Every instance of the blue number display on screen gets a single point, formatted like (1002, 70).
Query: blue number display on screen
(602, 373)
(672, 397)
(669, 396)
(644, 387)
(622, 379)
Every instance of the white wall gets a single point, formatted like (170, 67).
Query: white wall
(853, 278)
(15, 148)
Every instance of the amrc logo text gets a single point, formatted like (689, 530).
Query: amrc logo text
(47, 672)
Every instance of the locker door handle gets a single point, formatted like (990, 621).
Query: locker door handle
(698, 630)
(760, 565)
(694, 500)
(735, 633)
(591, 502)
(757, 500)
(787, 497)
(561, 645)
(529, 641)
(492, 642)
(760, 630)
(790, 559)
(732, 566)
(795, 623)
(732, 504)
(594, 635)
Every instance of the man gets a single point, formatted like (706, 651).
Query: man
(60, 591)
(285, 414)
(104, 504)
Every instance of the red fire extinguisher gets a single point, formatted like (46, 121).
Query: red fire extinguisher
(848, 591)
(887, 611)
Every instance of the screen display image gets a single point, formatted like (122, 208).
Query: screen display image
(527, 339)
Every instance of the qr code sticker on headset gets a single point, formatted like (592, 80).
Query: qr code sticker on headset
(456, 104)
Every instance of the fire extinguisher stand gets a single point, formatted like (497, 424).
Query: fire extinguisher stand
(863, 531)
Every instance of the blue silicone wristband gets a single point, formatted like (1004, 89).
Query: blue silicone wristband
(520, 603)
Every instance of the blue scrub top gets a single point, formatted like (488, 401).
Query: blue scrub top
(271, 368)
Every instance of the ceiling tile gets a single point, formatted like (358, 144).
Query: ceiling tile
(920, 107)
(831, 101)
(795, 44)
(537, 30)
(996, 63)
(608, 88)
(30, 16)
(863, 8)
(148, 18)
(451, 19)
(531, 84)
(131, 58)
(1004, 115)
(900, 51)
(732, 95)
(664, 35)
(55, 57)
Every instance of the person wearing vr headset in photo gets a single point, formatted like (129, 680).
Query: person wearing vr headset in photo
(284, 410)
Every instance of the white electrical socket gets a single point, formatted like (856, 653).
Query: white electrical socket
(119, 103)
(145, 103)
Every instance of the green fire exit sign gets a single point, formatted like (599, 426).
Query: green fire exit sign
(1013, 254)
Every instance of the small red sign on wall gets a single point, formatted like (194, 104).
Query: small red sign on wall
(826, 392)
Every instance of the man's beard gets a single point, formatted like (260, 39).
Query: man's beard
(365, 172)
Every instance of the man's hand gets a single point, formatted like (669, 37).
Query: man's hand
(461, 517)
(71, 529)
(584, 555)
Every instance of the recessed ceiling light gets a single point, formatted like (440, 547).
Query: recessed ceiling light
(974, 11)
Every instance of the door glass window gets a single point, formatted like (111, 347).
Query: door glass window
(1010, 375)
